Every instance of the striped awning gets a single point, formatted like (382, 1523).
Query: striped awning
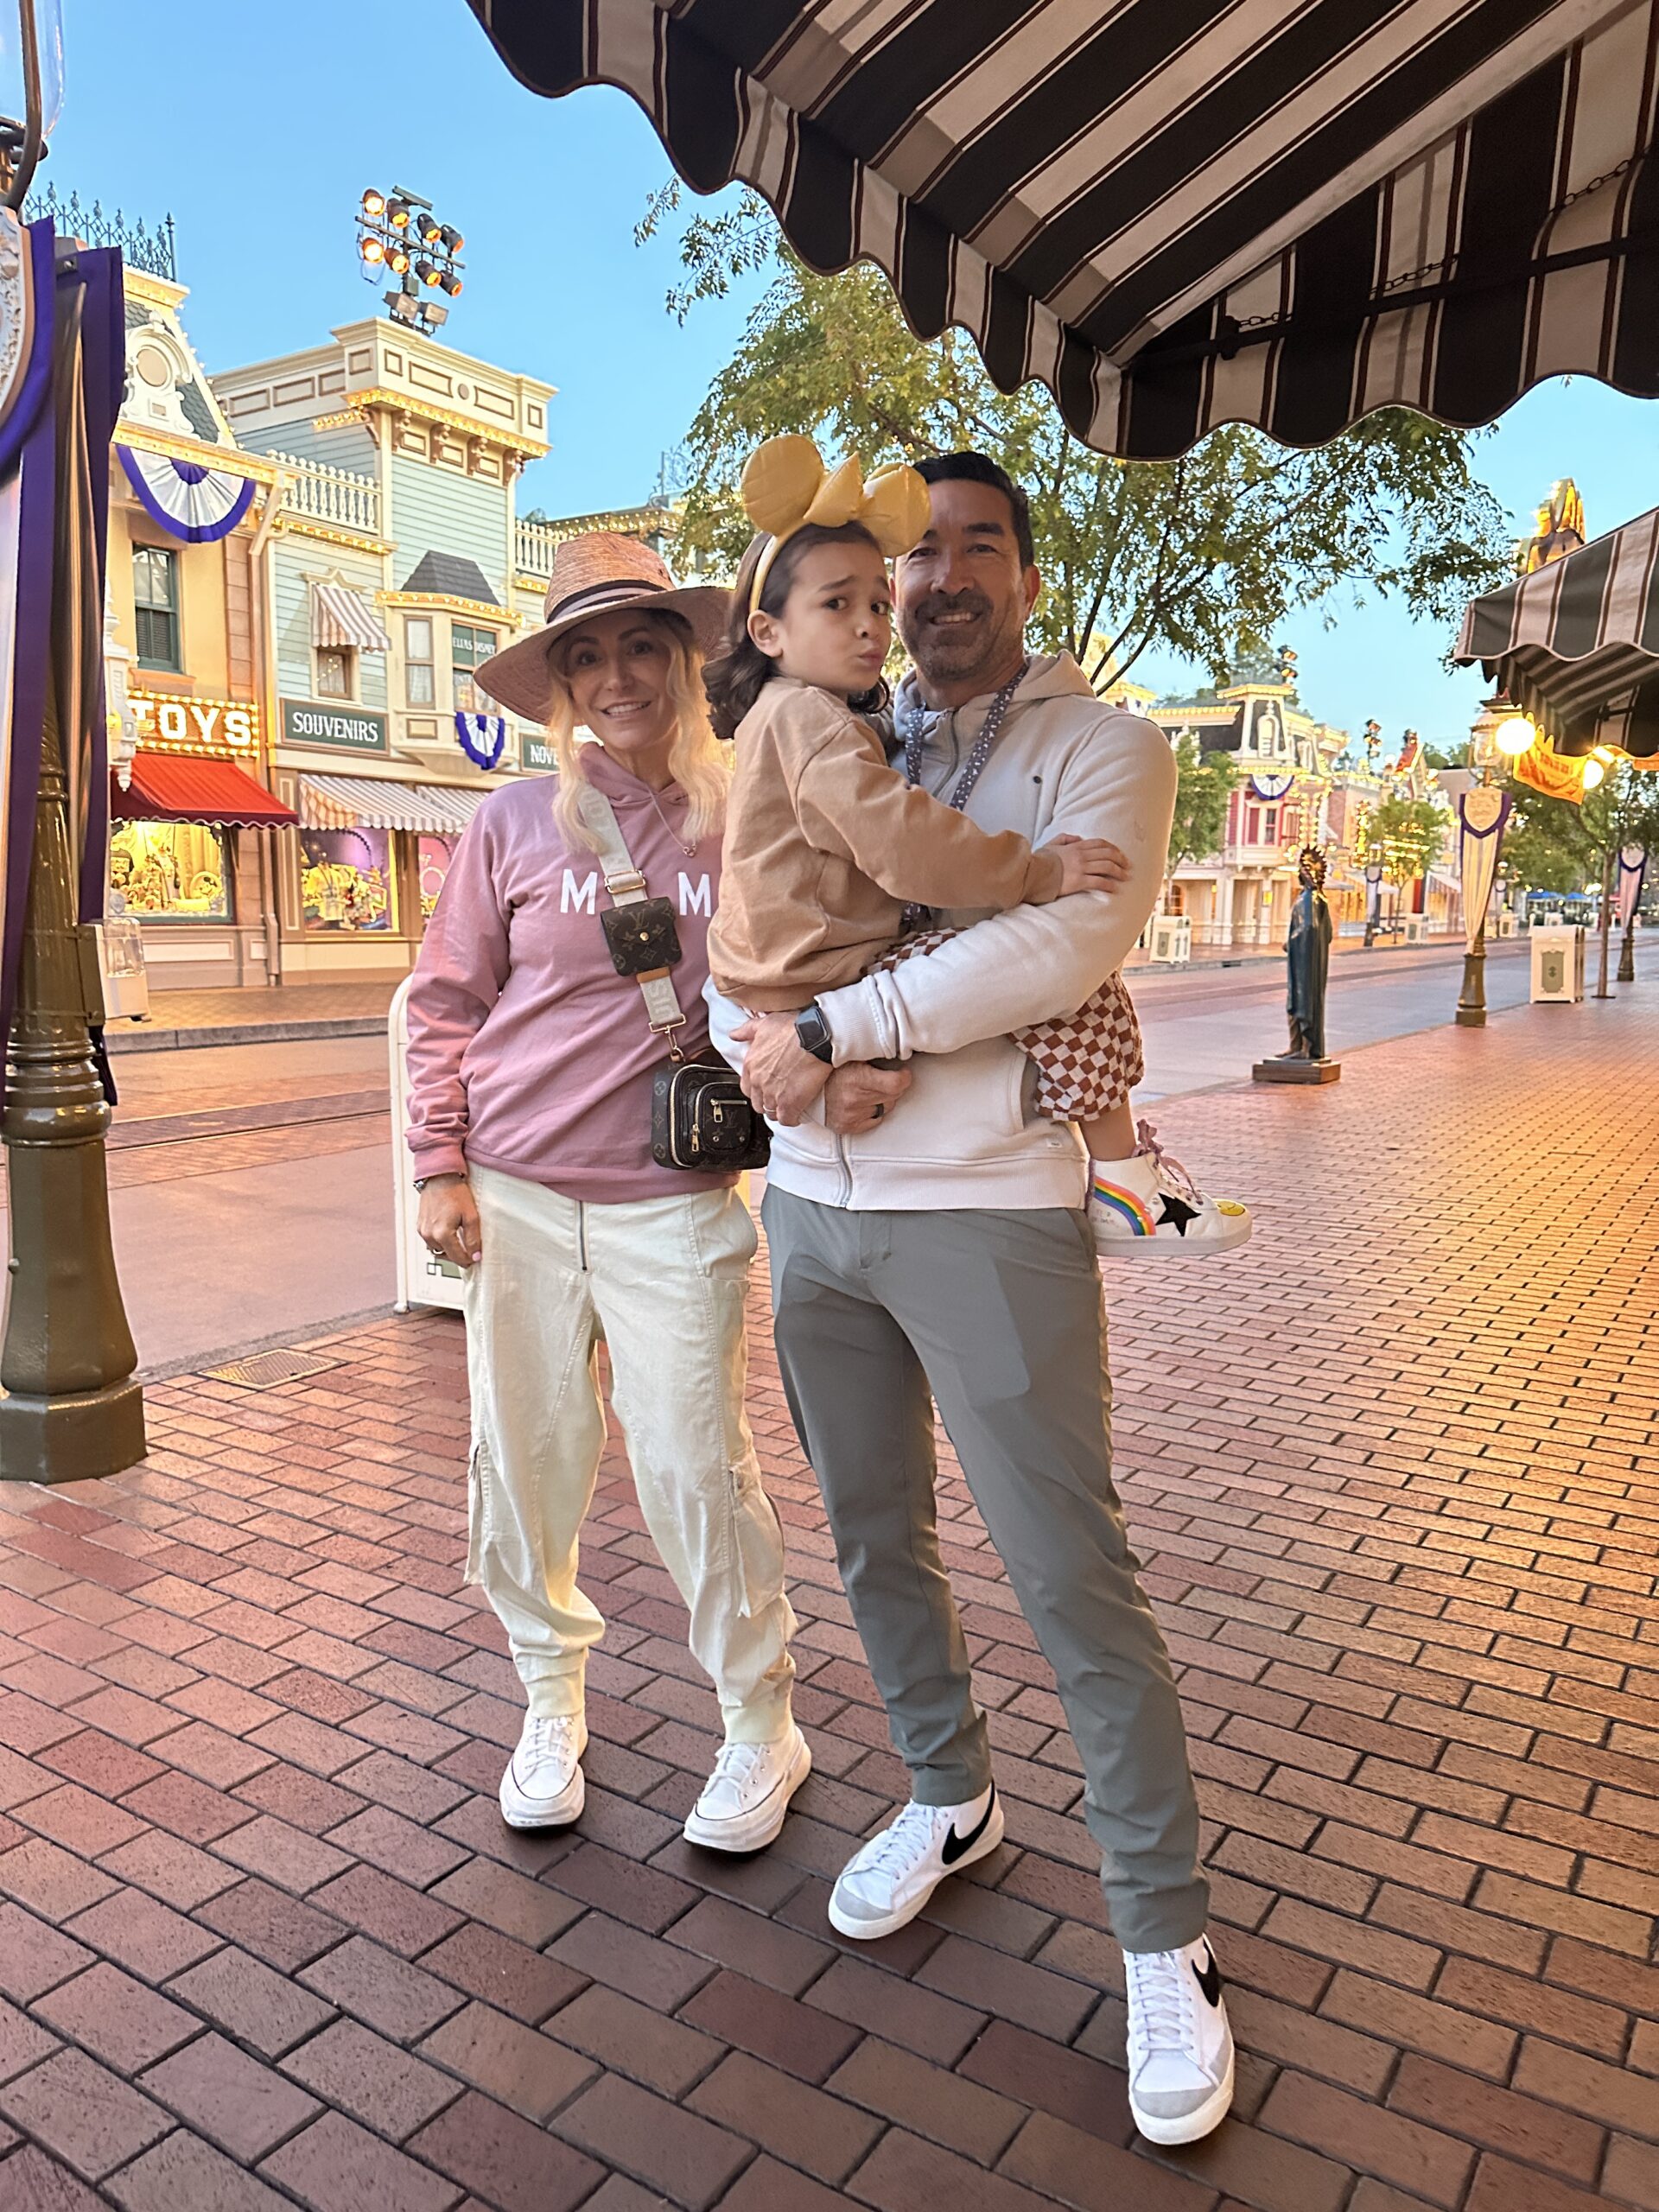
(1576, 644)
(340, 616)
(1177, 214)
(377, 803)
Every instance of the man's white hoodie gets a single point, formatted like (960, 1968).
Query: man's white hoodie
(965, 1134)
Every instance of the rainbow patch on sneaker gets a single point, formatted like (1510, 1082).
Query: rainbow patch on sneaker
(1126, 1205)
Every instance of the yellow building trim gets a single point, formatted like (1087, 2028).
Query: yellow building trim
(404, 402)
(483, 610)
(331, 534)
(231, 458)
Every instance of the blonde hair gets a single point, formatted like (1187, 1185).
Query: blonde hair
(696, 761)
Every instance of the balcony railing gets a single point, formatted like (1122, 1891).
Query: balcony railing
(140, 247)
(334, 496)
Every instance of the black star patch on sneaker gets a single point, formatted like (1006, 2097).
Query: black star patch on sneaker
(1177, 1212)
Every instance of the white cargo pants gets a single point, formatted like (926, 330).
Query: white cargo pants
(661, 1281)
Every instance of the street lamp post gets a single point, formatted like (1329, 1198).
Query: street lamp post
(70, 1406)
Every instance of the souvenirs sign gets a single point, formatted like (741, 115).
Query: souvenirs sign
(340, 729)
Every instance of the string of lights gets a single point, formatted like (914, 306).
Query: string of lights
(398, 232)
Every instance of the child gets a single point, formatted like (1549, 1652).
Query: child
(831, 855)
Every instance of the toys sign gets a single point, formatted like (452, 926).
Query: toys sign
(224, 727)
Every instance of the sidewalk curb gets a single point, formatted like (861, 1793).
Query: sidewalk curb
(145, 1039)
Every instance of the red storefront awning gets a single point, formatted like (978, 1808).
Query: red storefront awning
(179, 787)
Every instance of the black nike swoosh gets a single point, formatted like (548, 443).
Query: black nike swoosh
(1210, 1981)
(955, 1847)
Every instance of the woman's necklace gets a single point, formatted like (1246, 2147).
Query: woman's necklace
(678, 835)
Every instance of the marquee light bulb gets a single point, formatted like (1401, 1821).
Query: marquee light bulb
(1514, 736)
(1593, 773)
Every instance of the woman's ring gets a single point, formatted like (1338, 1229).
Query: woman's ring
(876, 1112)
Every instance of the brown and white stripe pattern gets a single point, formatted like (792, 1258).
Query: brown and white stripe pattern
(1181, 212)
(1576, 644)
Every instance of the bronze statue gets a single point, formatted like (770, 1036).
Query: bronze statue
(1307, 955)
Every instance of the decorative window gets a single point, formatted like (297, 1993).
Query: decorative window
(155, 606)
(420, 689)
(335, 672)
(180, 870)
(348, 881)
(469, 648)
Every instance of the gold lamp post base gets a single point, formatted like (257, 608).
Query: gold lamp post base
(72, 1408)
(72, 1438)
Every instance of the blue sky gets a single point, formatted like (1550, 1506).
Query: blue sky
(259, 129)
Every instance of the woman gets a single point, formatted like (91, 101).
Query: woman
(530, 1063)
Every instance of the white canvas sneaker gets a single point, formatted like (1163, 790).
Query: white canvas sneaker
(542, 1786)
(1148, 1207)
(1180, 2045)
(886, 1885)
(745, 1799)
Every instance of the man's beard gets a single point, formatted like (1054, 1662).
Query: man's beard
(951, 654)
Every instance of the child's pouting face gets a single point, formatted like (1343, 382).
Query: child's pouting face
(836, 623)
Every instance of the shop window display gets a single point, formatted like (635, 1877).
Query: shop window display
(169, 869)
(433, 857)
(348, 881)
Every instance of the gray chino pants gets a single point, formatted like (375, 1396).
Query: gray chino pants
(998, 1317)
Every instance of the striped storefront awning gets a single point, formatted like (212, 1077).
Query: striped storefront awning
(377, 803)
(1576, 644)
(340, 616)
(1177, 214)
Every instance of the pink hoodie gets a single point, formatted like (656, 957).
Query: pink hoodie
(527, 1052)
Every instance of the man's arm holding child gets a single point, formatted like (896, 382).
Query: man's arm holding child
(1034, 963)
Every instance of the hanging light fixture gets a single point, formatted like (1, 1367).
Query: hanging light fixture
(1514, 735)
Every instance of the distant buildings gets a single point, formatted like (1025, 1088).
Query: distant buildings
(1301, 782)
(310, 556)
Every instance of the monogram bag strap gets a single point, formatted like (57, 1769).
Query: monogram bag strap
(626, 888)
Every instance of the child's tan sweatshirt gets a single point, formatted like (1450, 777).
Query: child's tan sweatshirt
(825, 845)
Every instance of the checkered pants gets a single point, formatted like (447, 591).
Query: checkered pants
(1086, 1063)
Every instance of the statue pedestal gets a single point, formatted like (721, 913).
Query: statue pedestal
(1292, 1069)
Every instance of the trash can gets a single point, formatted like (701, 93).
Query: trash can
(1557, 950)
(421, 1279)
(1416, 929)
(121, 968)
(1170, 940)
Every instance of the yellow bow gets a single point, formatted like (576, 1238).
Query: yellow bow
(785, 486)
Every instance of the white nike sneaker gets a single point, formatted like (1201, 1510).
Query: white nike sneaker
(1148, 1207)
(745, 1799)
(886, 1885)
(542, 1786)
(1180, 2045)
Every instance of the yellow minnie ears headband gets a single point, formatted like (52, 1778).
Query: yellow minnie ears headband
(784, 486)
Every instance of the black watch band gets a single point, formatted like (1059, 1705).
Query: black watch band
(814, 1033)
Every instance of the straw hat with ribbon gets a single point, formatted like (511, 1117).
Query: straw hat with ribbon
(785, 486)
(599, 572)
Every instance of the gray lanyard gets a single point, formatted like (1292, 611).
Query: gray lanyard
(918, 917)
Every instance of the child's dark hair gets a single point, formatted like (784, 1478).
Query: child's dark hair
(734, 679)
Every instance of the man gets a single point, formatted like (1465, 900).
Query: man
(928, 1245)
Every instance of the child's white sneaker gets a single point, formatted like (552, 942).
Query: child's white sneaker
(1148, 1207)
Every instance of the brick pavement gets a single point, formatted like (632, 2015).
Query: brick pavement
(263, 1941)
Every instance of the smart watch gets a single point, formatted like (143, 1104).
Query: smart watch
(814, 1033)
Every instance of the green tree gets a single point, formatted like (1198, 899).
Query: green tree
(1204, 556)
(1403, 837)
(1203, 783)
(1556, 844)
